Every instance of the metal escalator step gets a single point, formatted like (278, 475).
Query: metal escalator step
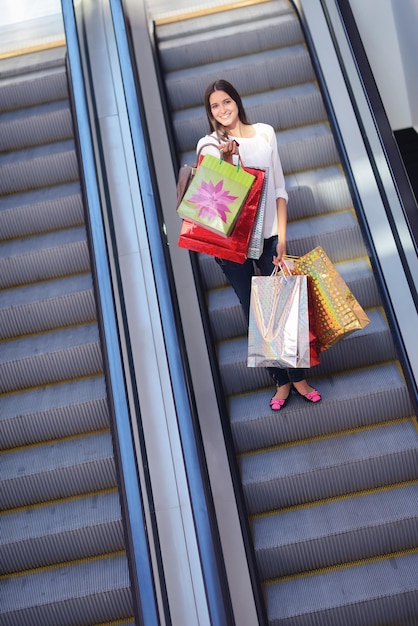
(41, 211)
(339, 234)
(298, 105)
(376, 592)
(47, 306)
(307, 148)
(364, 348)
(62, 531)
(211, 46)
(36, 87)
(233, 16)
(272, 69)
(350, 400)
(44, 257)
(367, 347)
(34, 168)
(35, 126)
(333, 533)
(212, 275)
(53, 412)
(26, 64)
(56, 470)
(330, 467)
(227, 318)
(323, 190)
(90, 592)
(52, 357)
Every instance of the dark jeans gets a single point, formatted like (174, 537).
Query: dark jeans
(239, 275)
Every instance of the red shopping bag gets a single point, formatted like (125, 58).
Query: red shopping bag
(233, 248)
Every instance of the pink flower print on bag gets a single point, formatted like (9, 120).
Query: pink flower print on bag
(216, 195)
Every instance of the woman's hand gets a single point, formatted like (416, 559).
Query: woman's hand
(281, 251)
(228, 150)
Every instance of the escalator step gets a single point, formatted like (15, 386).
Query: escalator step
(351, 400)
(330, 467)
(57, 469)
(89, 592)
(376, 592)
(67, 530)
(56, 356)
(53, 412)
(336, 532)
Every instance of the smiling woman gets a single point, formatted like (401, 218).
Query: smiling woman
(256, 146)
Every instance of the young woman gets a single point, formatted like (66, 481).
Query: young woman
(257, 146)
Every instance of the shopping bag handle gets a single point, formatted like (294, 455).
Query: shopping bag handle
(240, 163)
(281, 269)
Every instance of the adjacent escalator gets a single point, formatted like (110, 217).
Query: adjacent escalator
(62, 546)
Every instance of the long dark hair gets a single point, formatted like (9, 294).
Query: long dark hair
(223, 85)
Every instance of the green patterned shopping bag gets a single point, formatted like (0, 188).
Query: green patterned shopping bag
(216, 195)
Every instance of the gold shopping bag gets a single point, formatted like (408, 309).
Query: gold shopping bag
(337, 312)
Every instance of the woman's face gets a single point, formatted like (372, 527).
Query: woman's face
(224, 109)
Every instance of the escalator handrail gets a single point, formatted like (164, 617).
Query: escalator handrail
(399, 175)
(207, 533)
(402, 185)
(144, 598)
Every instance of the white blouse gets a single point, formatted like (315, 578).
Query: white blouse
(259, 151)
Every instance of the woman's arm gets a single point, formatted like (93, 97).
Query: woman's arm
(281, 229)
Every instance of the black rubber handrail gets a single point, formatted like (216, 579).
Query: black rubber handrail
(142, 582)
(235, 474)
(400, 179)
(207, 533)
(387, 140)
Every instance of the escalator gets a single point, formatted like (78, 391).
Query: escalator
(62, 542)
(331, 490)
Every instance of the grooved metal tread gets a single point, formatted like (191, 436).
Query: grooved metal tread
(19, 67)
(44, 257)
(195, 48)
(41, 124)
(41, 166)
(53, 412)
(56, 356)
(47, 306)
(329, 467)
(40, 211)
(86, 592)
(215, 21)
(317, 192)
(335, 532)
(351, 400)
(57, 469)
(377, 592)
(62, 546)
(272, 68)
(62, 531)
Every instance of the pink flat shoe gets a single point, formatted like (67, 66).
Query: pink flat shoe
(313, 396)
(279, 403)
